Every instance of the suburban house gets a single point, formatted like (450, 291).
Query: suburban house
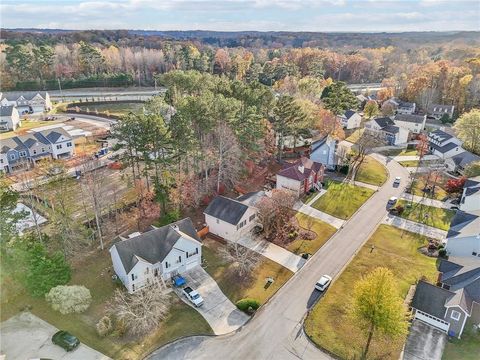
(456, 299)
(156, 255)
(438, 111)
(393, 102)
(413, 123)
(301, 176)
(444, 145)
(323, 151)
(350, 119)
(406, 108)
(9, 118)
(232, 218)
(463, 237)
(457, 163)
(36, 101)
(21, 152)
(385, 129)
(470, 200)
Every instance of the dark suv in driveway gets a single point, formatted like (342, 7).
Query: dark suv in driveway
(65, 340)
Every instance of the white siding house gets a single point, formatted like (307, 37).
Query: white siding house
(62, 142)
(384, 129)
(463, 237)
(413, 123)
(156, 255)
(470, 200)
(323, 151)
(350, 119)
(444, 145)
(9, 118)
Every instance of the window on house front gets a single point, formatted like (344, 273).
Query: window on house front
(196, 251)
(59, 146)
(69, 144)
(242, 224)
(179, 259)
(12, 157)
(455, 315)
(1, 161)
(23, 153)
(34, 152)
(133, 277)
(133, 287)
(251, 217)
(167, 265)
(474, 253)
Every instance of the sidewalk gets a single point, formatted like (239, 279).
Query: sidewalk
(273, 252)
(425, 201)
(414, 157)
(317, 214)
(415, 227)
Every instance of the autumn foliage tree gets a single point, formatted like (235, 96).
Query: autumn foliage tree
(455, 185)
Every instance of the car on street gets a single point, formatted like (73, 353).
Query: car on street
(392, 201)
(65, 340)
(323, 283)
(397, 181)
(193, 296)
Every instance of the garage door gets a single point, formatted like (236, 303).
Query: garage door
(432, 320)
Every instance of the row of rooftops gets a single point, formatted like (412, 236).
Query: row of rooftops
(24, 142)
(18, 95)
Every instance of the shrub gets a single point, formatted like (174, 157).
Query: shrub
(442, 252)
(400, 209)
(248, 305)
(104, 326)
(69, 299)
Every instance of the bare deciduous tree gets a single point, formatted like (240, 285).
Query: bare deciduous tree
(228, 155)
(363, 146)
(243, 259)
(276, 211)
(141, 311)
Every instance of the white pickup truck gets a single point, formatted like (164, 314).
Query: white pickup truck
(193, 296)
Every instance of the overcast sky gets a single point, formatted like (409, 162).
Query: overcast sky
(234, 15)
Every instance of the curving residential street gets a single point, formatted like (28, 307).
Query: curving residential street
(276, 331)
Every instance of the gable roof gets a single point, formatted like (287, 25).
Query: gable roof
(251, 198)
(391, 129)
(418, 119)
(431, 299)
(464, 224)
(384, 121)
(13, 143)
(6, 110)
(292, 171)
(465, 158)
(439, 135)
(52, 135)
(27, 95)
(440, 108)
(225, 209)
(154, 245)
(445, 148)
(406, 105)
(349, 113)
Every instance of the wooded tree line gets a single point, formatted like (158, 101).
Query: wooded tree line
(445, 74)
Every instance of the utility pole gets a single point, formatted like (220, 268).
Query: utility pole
(155, 79)
(60, 87)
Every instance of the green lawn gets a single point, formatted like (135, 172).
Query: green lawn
(95, 274)
(355, 136)
(252, 285)
(409, 163)
(467, 348)
(400, 152)
(372, 172)
(342, 200)
(329, 324)
(323, 230)
(419, 185)
(428, 215)
(118, 109)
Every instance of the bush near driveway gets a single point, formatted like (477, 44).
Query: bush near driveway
(428, 215)
(329, 324)
(248, 305)
(342, 199)
(372, 172)
(69, 299)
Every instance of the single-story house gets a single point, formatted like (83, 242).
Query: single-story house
(406, 108)
(142, 259)
(470, 200)
(458, 163)
(385, 129)
(323, 151)
(456, 299)
(463, 237)
(350, 120)
(437, 111)
(9, 118)
(301, 176)
(443, 144)
(413, 123)
(232, 218)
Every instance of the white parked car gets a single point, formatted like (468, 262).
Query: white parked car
(397, 180)
(392, 201)
(323, 283)
(193, 296)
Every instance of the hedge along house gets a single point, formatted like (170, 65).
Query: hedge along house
(156, 255)
(454, 301)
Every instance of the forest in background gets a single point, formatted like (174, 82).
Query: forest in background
(422, 67)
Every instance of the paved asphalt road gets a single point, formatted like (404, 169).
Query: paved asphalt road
(276, 331)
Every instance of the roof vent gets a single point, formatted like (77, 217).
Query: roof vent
(175, 227)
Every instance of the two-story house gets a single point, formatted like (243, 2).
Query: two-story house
(463, 237)
(456, 299)
(232, 218)
(38, 146)
(437, 111)
(9, 118)
(142, 259)
(301, 176)
(406, 108)
(61, 141)
(470, 200)
(15, 153)
(350, 119)
(323, 151)
(385, 129)
(458, 163)
(444, 145)
(36, 101)
(413, 123)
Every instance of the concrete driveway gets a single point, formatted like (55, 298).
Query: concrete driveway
(26, 336)
(424, 342)
(222, 316)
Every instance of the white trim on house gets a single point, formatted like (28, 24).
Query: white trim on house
(432, 320)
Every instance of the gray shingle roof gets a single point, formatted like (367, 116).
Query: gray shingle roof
(391, 129)
(445, 148)
(225, 209)
(54, 134)
(431, 299)
(154, 245)
(465, 158)
(440, 135)
(418, 119)
(12, 143)
(6, 110)
(384, 121)
(464, 224)
(28, 95)
(349, 113)
(251, 198)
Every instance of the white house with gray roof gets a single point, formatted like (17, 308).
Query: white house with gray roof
(463, 237)
(413, 123)
(443, 144)
(9, 118)
(437, 111)
(350, 119)
(36, 101)
(470, 200)
(458, 163)
(406, 108)
(142, 259)
(232, 218)
(385, 129)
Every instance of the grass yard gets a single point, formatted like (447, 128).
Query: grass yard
(95, 273)
(249, 286)
(329, 324)
(428, 215)
(323, 230)
(409, 163)
(466, 348)
(419, 185)
(342, 200)
(309, 196)
(400, 152)
(26, 125)
(118, 109)
(353, 138)
(372, 172)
